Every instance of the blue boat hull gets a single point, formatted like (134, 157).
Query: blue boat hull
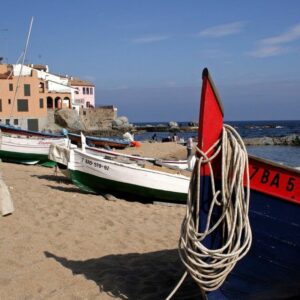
(271, 269)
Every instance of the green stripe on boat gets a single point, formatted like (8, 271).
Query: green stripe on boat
(25, 158)
(98, 185)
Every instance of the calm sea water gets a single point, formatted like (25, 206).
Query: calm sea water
(287, 155)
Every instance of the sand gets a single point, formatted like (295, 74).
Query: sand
(61, 243)
(169, 150)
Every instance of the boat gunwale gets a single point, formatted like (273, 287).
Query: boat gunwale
(100, 139)
(274, 164)
(26, 137)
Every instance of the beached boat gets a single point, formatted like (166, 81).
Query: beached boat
(27, 150)
(10, 129)
(100, 141)
(61, 155)
(98, 174)
(271, 268)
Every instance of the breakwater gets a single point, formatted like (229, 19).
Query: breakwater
(289, 140)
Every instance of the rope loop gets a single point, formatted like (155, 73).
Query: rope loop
(227, 216)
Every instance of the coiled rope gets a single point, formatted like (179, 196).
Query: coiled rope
(210, 267)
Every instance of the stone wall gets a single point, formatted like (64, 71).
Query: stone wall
(99, 118)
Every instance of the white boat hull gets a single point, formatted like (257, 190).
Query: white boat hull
(97, 174)
(28, 150)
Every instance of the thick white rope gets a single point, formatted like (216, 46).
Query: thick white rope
(210, 267)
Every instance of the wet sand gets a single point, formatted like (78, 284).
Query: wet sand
(61, 243)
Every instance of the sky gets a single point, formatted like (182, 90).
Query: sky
(146, 57)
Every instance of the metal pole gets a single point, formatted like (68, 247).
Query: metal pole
(21, 69)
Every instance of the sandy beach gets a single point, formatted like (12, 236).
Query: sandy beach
(61, 243)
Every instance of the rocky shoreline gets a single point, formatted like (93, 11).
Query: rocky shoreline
(70, 121)
(165, 128)
(289, 140)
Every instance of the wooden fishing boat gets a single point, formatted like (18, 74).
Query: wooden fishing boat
(27, 150)
(271, 268)
(61, 155)
(9, 129)
(97, 174)
(100, 141)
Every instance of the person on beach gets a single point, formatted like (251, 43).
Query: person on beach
(174, 137)
(189, 147)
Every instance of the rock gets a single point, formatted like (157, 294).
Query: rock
(263, 141)
(110, 197)
(121, 123)
(68, 118)
(52, 128)
(173, 124)
(290, 140)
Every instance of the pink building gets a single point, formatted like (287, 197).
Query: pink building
(84, 96)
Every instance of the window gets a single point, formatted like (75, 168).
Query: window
(91, 91)
(41, 103)
(7, 122)
(88, 104)
(11, 87)
(41, 87)
(9, 101)
(16, 122)
(0, 104)
(88, 90)
(83, 90)
(26, 89)
(22, 105)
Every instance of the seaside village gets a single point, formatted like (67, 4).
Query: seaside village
(51, 177)
(93, 217)
(33, 98)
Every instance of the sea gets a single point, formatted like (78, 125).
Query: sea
(287, 155)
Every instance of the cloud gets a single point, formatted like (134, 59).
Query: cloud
(291, 35)
(276, 45)
(150, 39)
(222, 30)
(267, 51)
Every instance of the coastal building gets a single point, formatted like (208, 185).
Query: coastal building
(84, 93)
(29, 95)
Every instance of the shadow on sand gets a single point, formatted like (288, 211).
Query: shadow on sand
(134, 276)
(56, 178)
(71, 189)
